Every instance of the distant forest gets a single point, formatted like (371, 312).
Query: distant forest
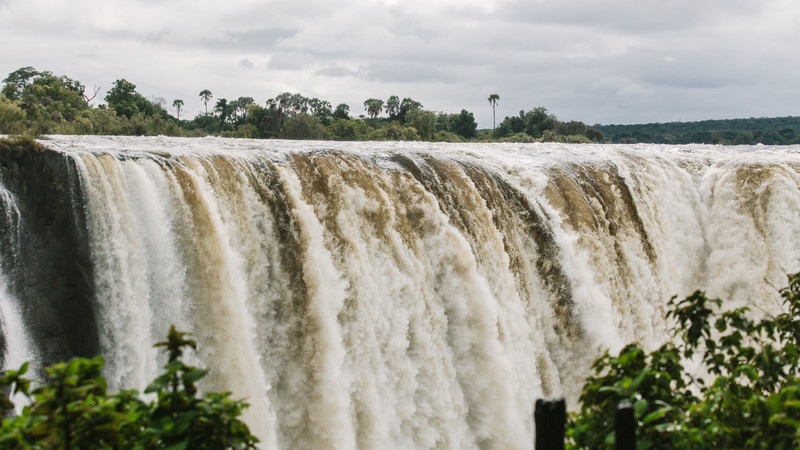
(34, 103)
(768, 131)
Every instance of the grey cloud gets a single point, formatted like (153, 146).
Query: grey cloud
(404, 73)
(261, 39)
(592, 60)
(631, 16)
(290, 61)
(691, 81)
(335, 72)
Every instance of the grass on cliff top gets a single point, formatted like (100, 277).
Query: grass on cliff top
(20, 142)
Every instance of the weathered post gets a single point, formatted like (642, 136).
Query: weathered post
(6, 391)
(624, 427)
(550, 417)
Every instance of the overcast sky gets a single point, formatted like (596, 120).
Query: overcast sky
(598, 61)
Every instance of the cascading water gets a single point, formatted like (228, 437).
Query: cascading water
(15, 349)
(386, 295)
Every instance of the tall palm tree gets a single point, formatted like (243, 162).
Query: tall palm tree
(493, 98)
(373, 106)
(178, 105)
(205, 96)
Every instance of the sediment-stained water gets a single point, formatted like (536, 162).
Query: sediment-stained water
(407, 295)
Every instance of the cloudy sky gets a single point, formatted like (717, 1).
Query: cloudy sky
(598, 61)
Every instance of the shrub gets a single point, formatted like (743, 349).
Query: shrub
(744, 394)
(73, 409)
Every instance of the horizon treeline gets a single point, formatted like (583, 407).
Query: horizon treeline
(763, 130)
(40, 102)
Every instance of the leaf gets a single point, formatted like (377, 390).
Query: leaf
(158, 384)
(194, 375)
(657, 414)
(640, 407)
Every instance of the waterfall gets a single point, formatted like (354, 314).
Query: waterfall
(410, 295)
(16, 344)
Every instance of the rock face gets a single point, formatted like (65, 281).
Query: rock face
(48, 262)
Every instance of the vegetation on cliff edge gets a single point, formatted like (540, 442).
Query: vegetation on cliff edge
(742, 391)
(72, 408)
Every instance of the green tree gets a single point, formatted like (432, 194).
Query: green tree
(538, 120)
(573, 127)
(50, 102)
(178, 105)
(464, 125)
(321, 109)
(342, 111)
(743, 138)
(594, 134)
(124, 99)
(349, 130)
(17, 80)
(373, 106)
(493, 99)
(224, 111)
(407, 105)
(771, 137)
(205, 96)
(12, 117)
(303, 126)
(423, 121)
(393, 107)
(511, 125)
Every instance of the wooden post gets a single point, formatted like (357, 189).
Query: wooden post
(7, 393)
(550, 417)
(624, 427)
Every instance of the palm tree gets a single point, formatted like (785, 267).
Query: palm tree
(178, 105)
(373, 106)
(493, 98)
(205, 96)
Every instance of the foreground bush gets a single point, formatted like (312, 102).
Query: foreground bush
(73, 409)
(743, 390)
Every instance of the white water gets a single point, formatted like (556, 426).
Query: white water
(17, 349)
(386, 295)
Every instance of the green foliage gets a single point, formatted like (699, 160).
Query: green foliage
(205, 96)
(349, 130)
(178, 105)
(303, 126)
(124, 99)
(447, 136)
(518, 137)
(493, 99)
(12, 117)
(423, 121)
(774, 131)
(464, 125)
(373, 107)
(73, 409)
(17, 80)
(342, 111)
(39, 102)
(20, 142)
(533, 123)
(538, 120)
(393, 107)
(594, 134)
(746, 393)
(393, 131)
